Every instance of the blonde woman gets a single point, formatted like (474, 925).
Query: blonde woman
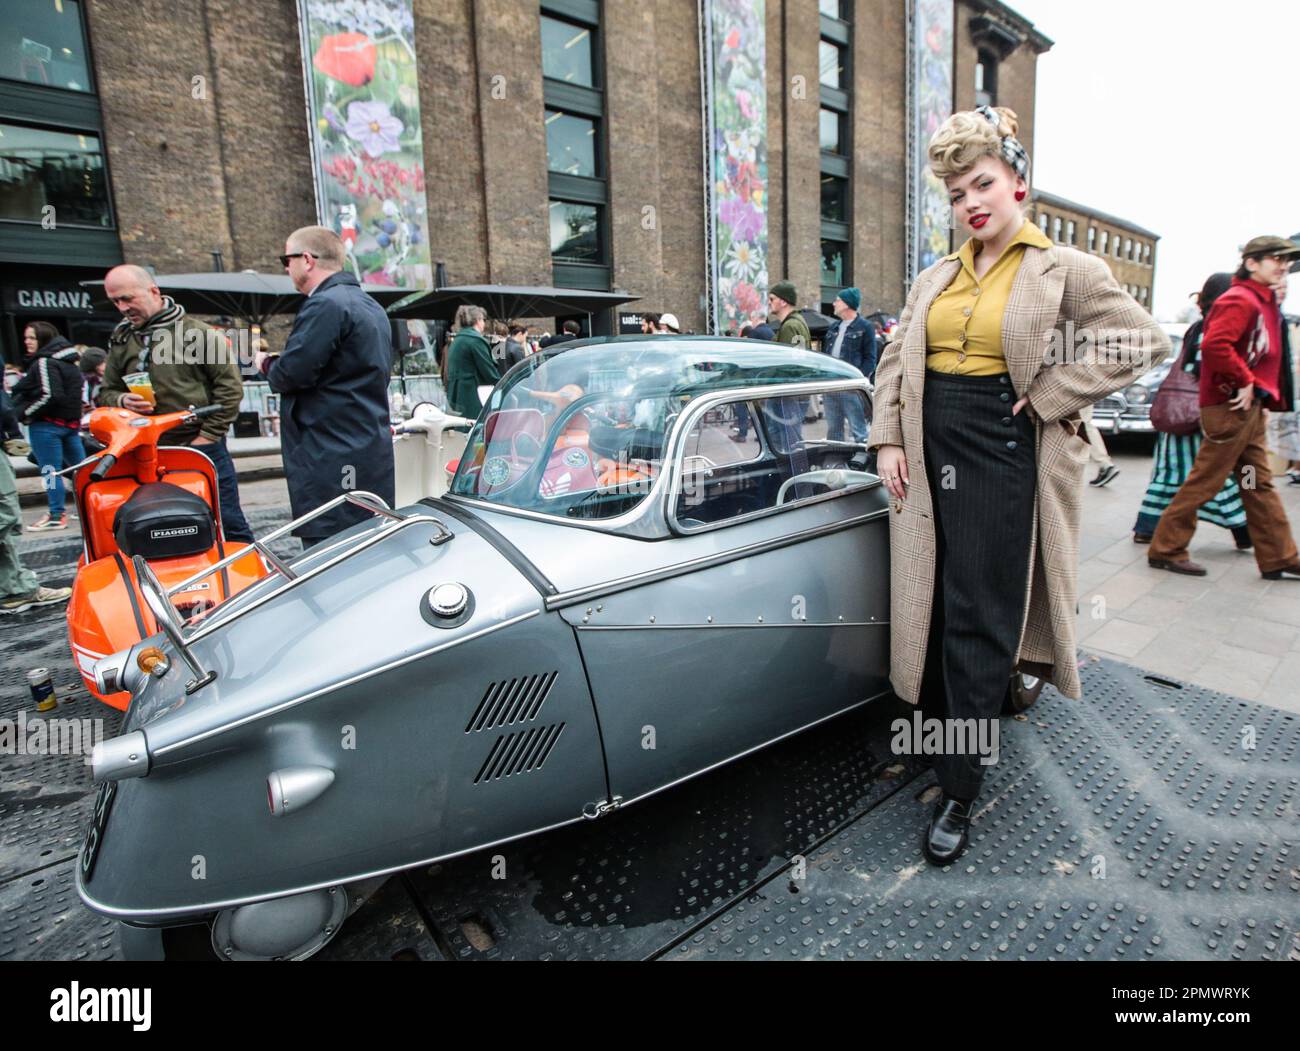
(981, 447)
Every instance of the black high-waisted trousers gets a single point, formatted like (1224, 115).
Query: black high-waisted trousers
(981, 465)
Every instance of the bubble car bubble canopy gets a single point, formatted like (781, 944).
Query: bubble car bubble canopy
(567, 431)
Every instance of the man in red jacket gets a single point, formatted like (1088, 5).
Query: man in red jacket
(1242, 373)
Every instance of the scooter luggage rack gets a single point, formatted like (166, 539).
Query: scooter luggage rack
(159, 600)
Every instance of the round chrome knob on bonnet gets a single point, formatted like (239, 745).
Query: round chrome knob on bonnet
(448, 600)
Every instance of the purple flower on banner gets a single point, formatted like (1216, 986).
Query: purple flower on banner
(743, 218)
(370, 124)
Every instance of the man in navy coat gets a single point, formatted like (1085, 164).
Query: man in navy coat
(333, 376)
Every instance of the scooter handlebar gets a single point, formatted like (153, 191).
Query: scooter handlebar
(103, 467)
(206, 411)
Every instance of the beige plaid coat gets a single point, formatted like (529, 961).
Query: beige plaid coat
(1071, 336)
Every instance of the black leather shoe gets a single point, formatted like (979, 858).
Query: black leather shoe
(949, 829)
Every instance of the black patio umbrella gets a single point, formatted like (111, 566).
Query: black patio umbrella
(817, 322)
(248, 295)
(504, 302)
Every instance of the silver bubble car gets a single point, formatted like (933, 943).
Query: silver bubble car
(649, 563)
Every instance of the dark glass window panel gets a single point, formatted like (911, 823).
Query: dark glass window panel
(570, 144)
(832, 64)
(41, 43)
(835, 198)
(833, 253)
(42, 169)
(986, 79)
(567, 52)
(575, 232)
(832, 131)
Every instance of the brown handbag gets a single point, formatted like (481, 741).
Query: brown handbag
(1176, 408)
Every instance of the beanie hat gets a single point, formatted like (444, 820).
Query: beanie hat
(852, 298)
(785, 290)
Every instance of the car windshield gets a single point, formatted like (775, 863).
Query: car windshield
(581, 432)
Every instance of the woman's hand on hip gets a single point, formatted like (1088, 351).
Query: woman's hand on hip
(891, 464)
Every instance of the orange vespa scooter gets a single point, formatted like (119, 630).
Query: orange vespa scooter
(161, 504)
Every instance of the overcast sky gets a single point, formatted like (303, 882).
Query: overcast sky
(1181, 117)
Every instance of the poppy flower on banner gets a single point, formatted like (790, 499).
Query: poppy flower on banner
(347, 57)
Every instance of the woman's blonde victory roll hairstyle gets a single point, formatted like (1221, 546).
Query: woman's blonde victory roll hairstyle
(965, 137)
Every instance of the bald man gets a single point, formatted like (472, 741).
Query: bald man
(188, 363)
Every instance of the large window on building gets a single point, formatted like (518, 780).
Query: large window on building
(832, 62)
(568, 52)
(575, 232)
(52, 177)
(836, 94)
(832, 269)
(42, 42)
(1092, 238)
(572, 90)
(571, 145)
(1105, 241)
(834, 135)
(1071, 233)
(986, 78)
(835, 198)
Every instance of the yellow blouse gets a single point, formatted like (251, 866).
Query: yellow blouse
(963, 331)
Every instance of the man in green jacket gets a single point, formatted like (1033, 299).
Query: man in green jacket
(794, 329)
(469, 366)
(781, 300)
(188, 363)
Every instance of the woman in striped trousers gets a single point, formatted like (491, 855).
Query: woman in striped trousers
(1175, 453)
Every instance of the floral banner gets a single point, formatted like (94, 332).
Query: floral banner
(737, 115)
(932, 71)
(363, 99)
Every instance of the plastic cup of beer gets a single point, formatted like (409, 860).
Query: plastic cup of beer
(140, 384)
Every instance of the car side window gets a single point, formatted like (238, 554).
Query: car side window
(753, 456)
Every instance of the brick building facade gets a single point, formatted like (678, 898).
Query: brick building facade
(205, 144)
(1129, 250)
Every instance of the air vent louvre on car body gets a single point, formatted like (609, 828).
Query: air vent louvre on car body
(511, 701)
(519, 752)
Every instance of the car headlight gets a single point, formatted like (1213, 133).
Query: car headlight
(1137, 394)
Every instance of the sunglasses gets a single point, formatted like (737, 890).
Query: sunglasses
(284, 259)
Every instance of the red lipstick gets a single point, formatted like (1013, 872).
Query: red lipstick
(978, 221)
